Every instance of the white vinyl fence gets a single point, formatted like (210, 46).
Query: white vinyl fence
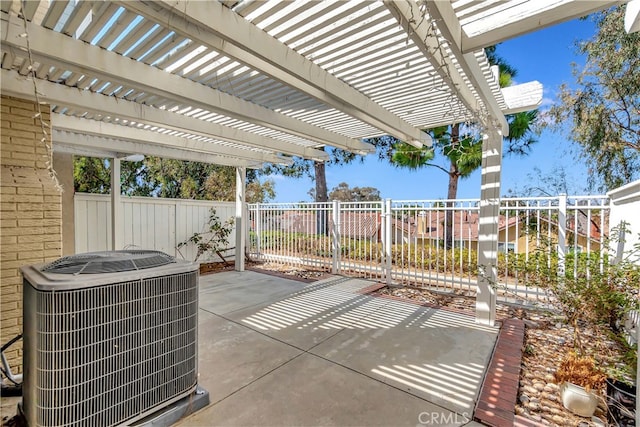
(625, 203)
(149, 223)
(433, 243)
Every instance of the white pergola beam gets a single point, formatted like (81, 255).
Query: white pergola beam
(96, 146)
(62, 51)
(14, 84)
(79, 150)
(523, 20)
(449, 26)
(632, 17)
(211, 24)
(522, 97)
(408, 14)
(98, 128)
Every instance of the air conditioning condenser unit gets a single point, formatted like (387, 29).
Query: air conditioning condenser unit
(110, 338)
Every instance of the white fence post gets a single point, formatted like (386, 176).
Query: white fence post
(241, 221)
(257, 217)
(562, 233)
(335, 237)
(388, 241)
(383, 238)
(116, 206)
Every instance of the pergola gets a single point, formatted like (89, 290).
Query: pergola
(248, 82)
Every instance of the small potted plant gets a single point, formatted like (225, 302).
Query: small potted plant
(580, 380)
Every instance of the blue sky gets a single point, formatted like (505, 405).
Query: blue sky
(545, 56)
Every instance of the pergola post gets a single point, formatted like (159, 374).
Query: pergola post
(488, 227)
(241, 229)
(116, 206)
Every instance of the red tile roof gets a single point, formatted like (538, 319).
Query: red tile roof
(352, 224)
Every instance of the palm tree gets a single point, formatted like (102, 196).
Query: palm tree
(465, 153)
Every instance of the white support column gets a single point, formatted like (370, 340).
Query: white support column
(241, 226)
(116, 206)
(562, 234)
(488, 229)
(387, 245)
(335, 237)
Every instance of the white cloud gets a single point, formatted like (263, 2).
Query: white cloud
(547, 102)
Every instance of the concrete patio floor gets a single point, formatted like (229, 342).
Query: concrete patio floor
(275, 351)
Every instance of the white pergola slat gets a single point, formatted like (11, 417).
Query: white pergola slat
(66, 53)
(243, 82)
(502, 20)
(632, 17)
(99, 146)
(424, 35)
(102, 14)
(86, 101)
(211, 24)
(520, 98)
(314, 39)
(151, 137)
(448, 25)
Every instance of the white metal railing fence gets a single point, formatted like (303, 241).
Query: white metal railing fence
(433, 243)
(148, 222)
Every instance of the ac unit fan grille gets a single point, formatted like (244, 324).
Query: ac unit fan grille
(110, 353)
(109, 262)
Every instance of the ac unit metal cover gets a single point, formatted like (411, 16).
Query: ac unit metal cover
(106, 349)
(109, 262)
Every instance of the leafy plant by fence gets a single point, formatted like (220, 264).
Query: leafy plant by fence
(213, 238)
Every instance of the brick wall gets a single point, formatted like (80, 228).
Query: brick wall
(30, 211)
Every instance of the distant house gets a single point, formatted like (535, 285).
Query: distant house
(361, 225)
(515, 233)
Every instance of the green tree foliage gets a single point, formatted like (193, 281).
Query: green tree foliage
(91, 175)
(169, 178)
(539, 184)
(314, 170)
(344, 193)
(603, 108)
(507, 72)
(461, 149)
(134, 179)
(464, 154)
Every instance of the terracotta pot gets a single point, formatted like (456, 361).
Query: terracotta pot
(578, 400)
